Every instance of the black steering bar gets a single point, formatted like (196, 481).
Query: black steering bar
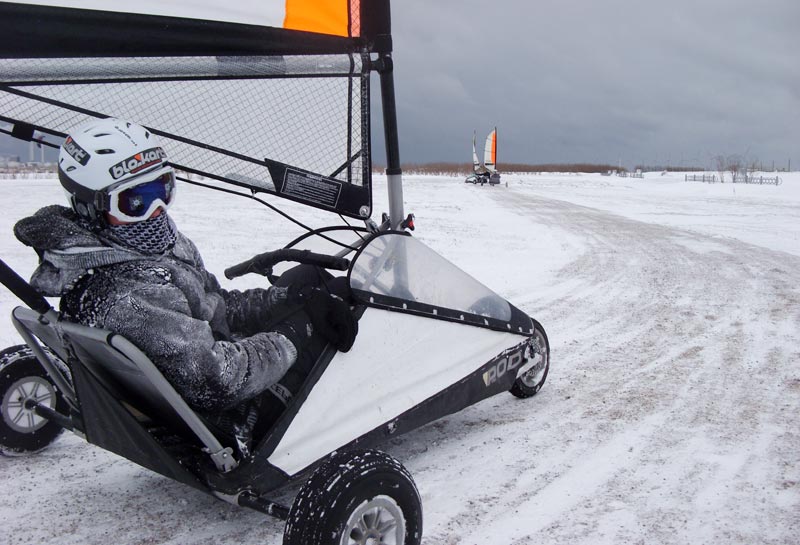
(262, 263)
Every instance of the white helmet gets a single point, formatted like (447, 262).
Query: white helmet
(114, 166)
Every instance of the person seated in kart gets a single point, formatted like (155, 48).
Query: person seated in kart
(118, 262)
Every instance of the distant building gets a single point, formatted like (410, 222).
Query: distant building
(5, 159)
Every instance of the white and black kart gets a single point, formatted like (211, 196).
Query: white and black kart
(491, 178)
(283, 112)
(104, 389)
(477, 178)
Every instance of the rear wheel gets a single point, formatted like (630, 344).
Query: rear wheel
(356, 498)
(530, 382)
(23, 380)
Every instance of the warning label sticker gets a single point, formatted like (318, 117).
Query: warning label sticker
(311, 188)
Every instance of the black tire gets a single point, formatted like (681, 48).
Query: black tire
(355, 495)
(23, 377)
(529, 384)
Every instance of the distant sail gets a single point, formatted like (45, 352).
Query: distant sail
(490, 151)
(475, 163)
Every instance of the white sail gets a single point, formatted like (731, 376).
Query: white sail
(475, 163)
(490, 151)
(269, 13)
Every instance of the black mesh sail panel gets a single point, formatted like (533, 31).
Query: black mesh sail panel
(269, 109)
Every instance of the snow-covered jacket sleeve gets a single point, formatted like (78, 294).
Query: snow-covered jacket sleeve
(247, 312)
(155, 316)
(250, 311)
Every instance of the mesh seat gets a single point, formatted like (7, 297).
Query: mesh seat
(124, 371)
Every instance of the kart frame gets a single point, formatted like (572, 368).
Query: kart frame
(120, 401)
(116, 398)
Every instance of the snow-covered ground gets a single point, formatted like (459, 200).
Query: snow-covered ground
(670, 414)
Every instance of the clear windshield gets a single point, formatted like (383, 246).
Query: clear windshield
(404, 268)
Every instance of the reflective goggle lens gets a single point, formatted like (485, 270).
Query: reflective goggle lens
(135, 201)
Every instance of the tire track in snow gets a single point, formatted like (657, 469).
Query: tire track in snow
(673, 361)
(534, 511)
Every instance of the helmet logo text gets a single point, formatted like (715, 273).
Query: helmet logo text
(75, 151)
(138, 162)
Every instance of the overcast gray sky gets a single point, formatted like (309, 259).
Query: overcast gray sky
(567, 81)
(636, 81)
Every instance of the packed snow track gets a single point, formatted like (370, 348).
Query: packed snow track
(670, 414)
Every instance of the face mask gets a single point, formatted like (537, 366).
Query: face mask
(153, 236)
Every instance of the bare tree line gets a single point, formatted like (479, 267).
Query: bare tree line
(736, 167)
(463, 169)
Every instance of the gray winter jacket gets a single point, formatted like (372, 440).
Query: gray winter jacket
(168, 305)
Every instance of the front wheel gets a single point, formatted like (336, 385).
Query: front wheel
(531, 381)
(356, 498)
(24, 380)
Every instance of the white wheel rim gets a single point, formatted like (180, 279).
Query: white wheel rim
(538, 349)
(15, 413)
(378, 521)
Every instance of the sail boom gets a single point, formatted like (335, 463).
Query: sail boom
(47, 71)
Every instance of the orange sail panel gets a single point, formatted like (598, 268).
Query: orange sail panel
(323, 16)
(490, 151)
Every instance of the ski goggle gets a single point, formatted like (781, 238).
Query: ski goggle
(137, 199)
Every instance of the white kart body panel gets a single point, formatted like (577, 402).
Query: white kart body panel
(397, 362)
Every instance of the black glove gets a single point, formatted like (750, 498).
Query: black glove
(295, 327)
(331, 317)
